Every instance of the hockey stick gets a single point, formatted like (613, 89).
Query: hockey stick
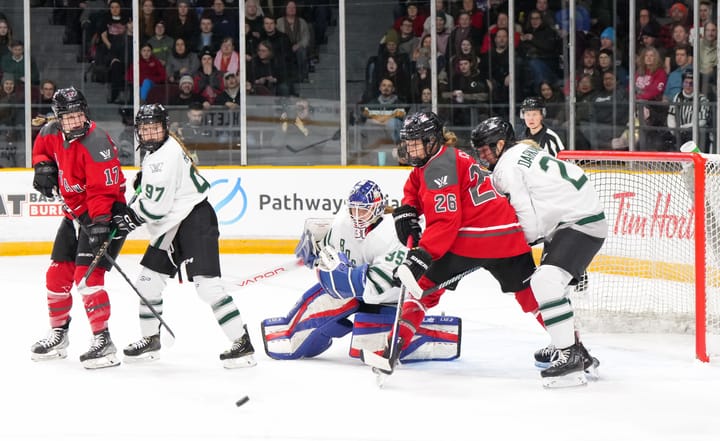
(335, 137)
(265, 274)
(66, 208)
(103, 249)
(384, 366)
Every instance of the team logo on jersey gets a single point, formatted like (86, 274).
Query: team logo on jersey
(229, 200)
(441, 182)
(106, 154)
(156, 167)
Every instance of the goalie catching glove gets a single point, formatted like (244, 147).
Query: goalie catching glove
(412, 269)
(407, 224)
(125, 219)
(337, 275)
(305, 249)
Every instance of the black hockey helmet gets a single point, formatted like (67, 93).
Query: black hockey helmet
(71, 100)
(532, 103)
(151, 114)
(425, 126)
(490, 132)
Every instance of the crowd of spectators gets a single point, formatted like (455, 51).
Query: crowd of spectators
(473, 38)
(281, 45)
(189, 55)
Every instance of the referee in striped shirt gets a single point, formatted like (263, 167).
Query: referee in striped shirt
(532, 111)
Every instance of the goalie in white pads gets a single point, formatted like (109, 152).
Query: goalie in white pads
(183, 228)
(354, 262)
(558, 206)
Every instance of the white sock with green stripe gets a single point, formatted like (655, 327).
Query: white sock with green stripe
(212, 291)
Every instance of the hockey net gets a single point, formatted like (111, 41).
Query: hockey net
(659, 268)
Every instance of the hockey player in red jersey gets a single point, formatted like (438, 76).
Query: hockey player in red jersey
(467, 224)
(74, 157)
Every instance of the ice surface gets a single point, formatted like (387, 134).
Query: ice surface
(651, 387)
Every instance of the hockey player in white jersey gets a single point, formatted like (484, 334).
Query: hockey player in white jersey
(354, 261)
(557, 205)
(183, 228)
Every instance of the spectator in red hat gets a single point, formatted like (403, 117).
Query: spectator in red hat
(678, 14)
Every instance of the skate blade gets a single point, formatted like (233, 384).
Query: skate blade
(143, 358)
(110, 360)
(572, 379)
(52, 355)
(240, 362)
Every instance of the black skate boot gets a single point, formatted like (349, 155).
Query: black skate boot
(567, 368)
(53, 346)
(544, 356)
(240, 355)
(101, 353)
(145, 349)
(590, 363)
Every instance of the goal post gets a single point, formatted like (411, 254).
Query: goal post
(659, 268)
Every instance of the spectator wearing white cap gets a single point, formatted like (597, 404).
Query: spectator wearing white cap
(185, 94)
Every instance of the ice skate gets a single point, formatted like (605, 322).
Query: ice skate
(590, 363)
(567, 368)
(544, 356)
(145, 349)
(54, 346)
(101, 353)
(240, 355)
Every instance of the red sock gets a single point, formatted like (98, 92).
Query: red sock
(528, 303)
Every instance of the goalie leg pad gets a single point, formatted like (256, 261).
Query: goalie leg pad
(437, 338)
(309, 328)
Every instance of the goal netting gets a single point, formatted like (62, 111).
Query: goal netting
(658, 269)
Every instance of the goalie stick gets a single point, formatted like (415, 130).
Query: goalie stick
(170, 339)
(270, 272)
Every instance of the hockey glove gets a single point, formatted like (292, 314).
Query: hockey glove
(407, 224)
(305, 249)
(124, 219)
(46, 178)
(137, 181)
(98, 232)
(412, 269)
(337, 275)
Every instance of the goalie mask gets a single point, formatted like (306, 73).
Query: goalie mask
(486, 139)
(71, 110)
(151, 126)
(367, 205)
(420, 130)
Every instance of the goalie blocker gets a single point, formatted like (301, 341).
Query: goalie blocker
(318, 317)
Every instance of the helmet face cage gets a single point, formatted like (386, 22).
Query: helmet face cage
(366, 204)
(425, 126)
(490, 131)
(151, 114)
(532, 103)
(67, 101)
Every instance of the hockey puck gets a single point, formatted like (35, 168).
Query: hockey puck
(242, 401)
